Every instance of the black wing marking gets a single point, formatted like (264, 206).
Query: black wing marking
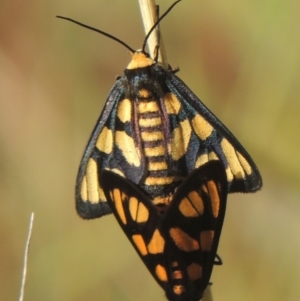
(242, 173)
(90, 199)
(179, 246)
(112, 146)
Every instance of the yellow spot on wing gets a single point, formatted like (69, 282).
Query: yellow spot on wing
(172, 103)
(214, 196)
(92, 186)
(244, 163)
(142, 213)
(105, 141)
(229, 174)
(212, 156)
(180, 139)
(197, 201)
(128, 148)
(233, 160)
(183, 241)
(161, 273)
(206, 238)
(118, 172)
(133, 205)
(202, 128)
(140, 244)
(156, 244)
(194, 271)
(124, 110)
(119, 206)
(201, 160)
(187, 209)
(83, 189)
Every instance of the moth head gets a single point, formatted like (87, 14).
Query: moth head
(140, 59)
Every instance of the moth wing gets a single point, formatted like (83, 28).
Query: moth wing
(192, 225)
(139, 220)
(111, 146)
(209, 139)
(166, 240)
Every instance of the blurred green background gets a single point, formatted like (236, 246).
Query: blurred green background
(242, 58)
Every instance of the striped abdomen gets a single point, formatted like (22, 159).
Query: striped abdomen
(153, 131)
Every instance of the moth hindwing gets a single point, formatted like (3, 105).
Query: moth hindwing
(179, 245)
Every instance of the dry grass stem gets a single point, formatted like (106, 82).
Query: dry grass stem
(26, 257)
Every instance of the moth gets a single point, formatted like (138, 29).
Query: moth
(178, 244)
(155, 132)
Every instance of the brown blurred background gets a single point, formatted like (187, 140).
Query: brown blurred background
(242, 58)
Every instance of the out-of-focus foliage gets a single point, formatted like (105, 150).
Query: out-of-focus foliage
(242, 58)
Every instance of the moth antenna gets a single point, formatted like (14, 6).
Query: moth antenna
(156, 53)
(156, 23)
(99, 31)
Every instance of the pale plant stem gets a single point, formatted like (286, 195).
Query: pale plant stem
(149, 16)
(148, 11)
(26, 257)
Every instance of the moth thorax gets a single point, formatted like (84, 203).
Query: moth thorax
(144, 93)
